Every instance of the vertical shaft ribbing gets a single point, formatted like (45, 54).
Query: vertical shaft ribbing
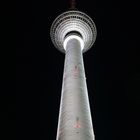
(74, 118)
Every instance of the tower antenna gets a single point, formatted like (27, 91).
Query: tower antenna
(72, 4)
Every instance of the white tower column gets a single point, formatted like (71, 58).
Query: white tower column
(74, 117)
(73, 33)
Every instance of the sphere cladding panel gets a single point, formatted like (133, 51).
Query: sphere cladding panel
(73, 21)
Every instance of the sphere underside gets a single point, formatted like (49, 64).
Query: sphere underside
(73, 21)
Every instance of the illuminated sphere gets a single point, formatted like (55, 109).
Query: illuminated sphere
(74, 22)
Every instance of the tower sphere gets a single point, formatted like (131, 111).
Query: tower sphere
(73, 22)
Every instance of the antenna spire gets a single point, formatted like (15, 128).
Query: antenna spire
(72, 4)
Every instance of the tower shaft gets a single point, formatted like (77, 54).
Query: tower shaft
(74, 116)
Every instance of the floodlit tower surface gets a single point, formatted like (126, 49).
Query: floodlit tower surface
(73, 32)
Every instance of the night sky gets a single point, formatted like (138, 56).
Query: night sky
(111, 65)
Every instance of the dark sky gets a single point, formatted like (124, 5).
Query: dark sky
(112, 70)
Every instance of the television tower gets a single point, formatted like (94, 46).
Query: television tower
(73, 33)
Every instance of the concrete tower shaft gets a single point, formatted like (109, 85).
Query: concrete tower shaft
(74, 118)
(74, 32)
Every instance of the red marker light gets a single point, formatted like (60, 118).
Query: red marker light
(77, 125)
